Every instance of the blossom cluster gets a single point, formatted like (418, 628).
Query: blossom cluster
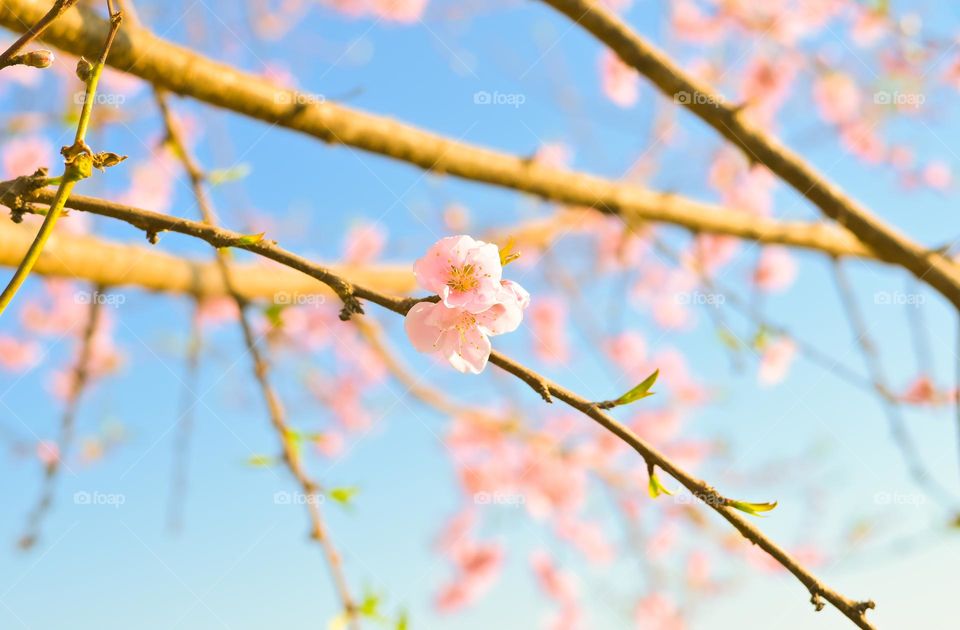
(475, 302)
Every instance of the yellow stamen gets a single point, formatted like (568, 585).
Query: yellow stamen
(462, 279)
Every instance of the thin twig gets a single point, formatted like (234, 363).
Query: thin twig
(7, 58)
(277, 415)
(79, 162)
(898, 429)
(181, 448)
(154, 223)
(80, 376)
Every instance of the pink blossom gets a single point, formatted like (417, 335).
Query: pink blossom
(456, 217)
(405, 11)
(554, 155)
(920, 391)
(16, 355)
(937, 175)
(216, 311)
(767, 81)
(698, 569)
(619, 82)
(151, 183)
(477, 568)
(465, 273)
(548, 326)
(869, 27)
(558, 585)
(363, 243)
(460, 336)
(690, 24)
(23, 156)
(776, 269)
(837, 97)
(628, 351)
(776, 360)
(861, 139)
(48, 452)
(655, 612)
(60, 310)
(329, 443)
(589, 538)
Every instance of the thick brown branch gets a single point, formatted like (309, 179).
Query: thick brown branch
(182, 71)
(113, 264)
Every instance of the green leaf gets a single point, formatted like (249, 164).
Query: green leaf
(656, 488)
(274, 314)
(220, 176)
(754, 509)
(507, 255)
(250, 239)
(370, 606)
(343, 496)
(728, 339)
(260, 461)
(640, 391)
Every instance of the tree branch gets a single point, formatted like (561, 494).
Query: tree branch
(154, 222)
(758, 146)
(182, 71)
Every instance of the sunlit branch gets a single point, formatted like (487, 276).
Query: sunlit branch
(79, 162)
(182, 71)
(10, 56)
(102, 261)
(758, 146)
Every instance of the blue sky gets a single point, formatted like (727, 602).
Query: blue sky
(245, 562)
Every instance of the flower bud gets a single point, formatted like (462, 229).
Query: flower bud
(35, 59)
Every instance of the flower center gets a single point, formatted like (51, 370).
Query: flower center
(463, 279)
